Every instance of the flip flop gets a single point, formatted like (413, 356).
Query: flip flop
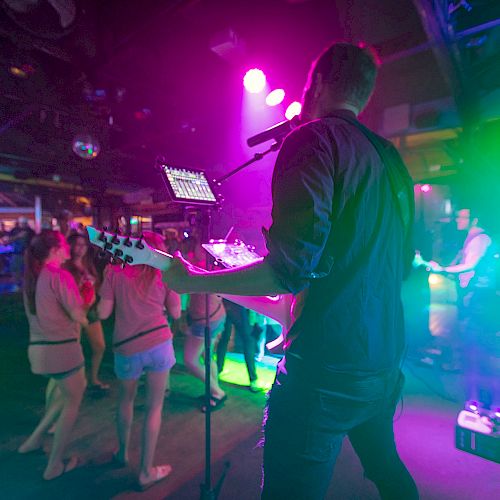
(215, 403)
(160, 473)
(69, 465)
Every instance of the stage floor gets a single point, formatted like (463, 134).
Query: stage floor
(424, 432)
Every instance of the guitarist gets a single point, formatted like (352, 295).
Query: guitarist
(342, 205)
(476, 269)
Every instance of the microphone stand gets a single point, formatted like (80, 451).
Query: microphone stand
(206, 491)
(256, 157)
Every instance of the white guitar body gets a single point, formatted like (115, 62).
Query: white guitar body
(134, 251)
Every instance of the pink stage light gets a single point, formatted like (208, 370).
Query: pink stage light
(293, 110)
(275, 97)
(254, 81)
(426, 188)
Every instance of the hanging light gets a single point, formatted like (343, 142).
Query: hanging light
(86, 146)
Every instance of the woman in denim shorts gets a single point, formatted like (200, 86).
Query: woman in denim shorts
(142, 343)
(194, 346)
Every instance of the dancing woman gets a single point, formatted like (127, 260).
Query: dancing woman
(55, 312)
(194, 345)
(83, 270)
(142, 342)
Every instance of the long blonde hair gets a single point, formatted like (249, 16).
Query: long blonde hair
(147, 274)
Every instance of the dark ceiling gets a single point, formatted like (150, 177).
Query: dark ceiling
(164, 77)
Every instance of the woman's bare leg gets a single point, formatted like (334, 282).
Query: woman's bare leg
(125, 417)
(95, 335)
(155, 390)
(193, 349)
(72, 389)
(53, 408)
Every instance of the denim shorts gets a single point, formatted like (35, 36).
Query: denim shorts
(157, 359)
(198, 329)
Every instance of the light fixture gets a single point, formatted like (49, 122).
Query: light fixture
(86, 146)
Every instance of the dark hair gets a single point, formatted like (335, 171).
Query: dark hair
(350, 69)
(88, 259)
(34, 258)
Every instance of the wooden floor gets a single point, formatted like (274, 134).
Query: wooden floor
(424, 434)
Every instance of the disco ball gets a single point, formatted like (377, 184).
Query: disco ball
(86, 146)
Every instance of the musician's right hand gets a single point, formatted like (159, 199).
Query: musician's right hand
(434, 267)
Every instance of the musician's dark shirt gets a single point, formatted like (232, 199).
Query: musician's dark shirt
(337, 234)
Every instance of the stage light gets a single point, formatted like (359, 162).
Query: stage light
(435, 280)
(142, 114)
(254, 81)
(275, 97)
(86, 146)
(426, 188)
(293, 110)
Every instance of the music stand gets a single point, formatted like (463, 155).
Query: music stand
(190, 186)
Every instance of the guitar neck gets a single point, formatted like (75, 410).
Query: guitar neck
(159, 260)
(135, 251)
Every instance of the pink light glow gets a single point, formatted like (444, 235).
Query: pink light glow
(275, 97)
(254, 80)
(293, 110)
(425, 188)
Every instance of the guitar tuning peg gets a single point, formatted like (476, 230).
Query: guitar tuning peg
(139, 243)
(115, 239)
(118, 252)
(127, 242)
(102, 236)
(104, 228)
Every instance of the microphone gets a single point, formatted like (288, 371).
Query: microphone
(275, 132)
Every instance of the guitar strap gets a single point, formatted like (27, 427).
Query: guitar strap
(399, 178)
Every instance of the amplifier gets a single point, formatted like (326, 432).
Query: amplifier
(474, 435)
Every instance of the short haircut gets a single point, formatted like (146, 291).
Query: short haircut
(351, 70)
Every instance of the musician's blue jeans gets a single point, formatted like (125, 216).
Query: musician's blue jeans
(307, 422)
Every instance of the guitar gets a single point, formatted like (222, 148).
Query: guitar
(134, 251)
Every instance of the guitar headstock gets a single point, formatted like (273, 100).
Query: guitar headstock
(121, 249)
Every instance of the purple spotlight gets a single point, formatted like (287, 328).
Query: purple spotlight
(254, 81)
(293, 110)
(275, 97)
(426, 188)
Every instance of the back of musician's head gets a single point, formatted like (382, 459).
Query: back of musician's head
(350, 70)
